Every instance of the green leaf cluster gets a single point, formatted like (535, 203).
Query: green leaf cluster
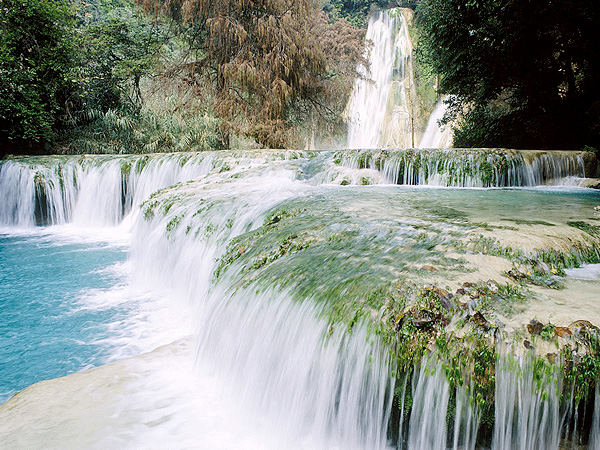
(65, 68)
(116, 52)
(36, 60)
(354, 11)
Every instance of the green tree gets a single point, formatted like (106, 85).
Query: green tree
(354, 11)
(36, 57)
(357, 11)
(115, 54)
(520, 74)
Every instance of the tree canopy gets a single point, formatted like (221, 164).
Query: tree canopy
(354, 11)
(115, 54)
(64, 66)
(36, 60)
(520, 74)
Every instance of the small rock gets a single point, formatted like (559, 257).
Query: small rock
(474, 295)
(422, 318)
(480, 320)
(472, 304)
(562, 332)
(551, 357)
(493, 287)
(535, 327)
(527, 344)
(439, 292)
(516, 275)
(446, 303)
(423, 322)
(461, 305)
(400, 321)
(597, 208)
(429, 268)
(445, 298)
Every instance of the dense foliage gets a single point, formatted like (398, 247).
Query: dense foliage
(70, 74)
(357, 11)
(116, 54)
(354, 11)
(36, 60)
(104, 77)
(521, 74)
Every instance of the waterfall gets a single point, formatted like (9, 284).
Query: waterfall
(469, 167)
(101, 191)
(527, 409)
(436, 136)
(427, 429)
(595, 433)
(380, 109)
(90, 190)
(318, 384)
(320, 387)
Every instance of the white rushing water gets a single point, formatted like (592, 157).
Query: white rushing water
(436, 136)
(92, 191)
(296, 382)
(527, 410)
(468, 167)
(317, 393)
(380, 110)
(236, 365)
(100, 191)
(585, 272)
(595, 434)
(427, 430)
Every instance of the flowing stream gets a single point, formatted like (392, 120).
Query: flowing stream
(184, 346)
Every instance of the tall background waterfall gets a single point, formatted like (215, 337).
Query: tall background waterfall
(382, 104)
(383, 111)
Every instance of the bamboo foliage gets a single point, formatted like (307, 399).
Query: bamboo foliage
(261, 56)
(172, 119)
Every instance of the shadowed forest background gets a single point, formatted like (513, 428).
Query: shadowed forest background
(114, 76)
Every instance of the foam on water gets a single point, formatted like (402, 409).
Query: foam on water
(309, 391)
(44, 335)
(68, 305)
(585, 272)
